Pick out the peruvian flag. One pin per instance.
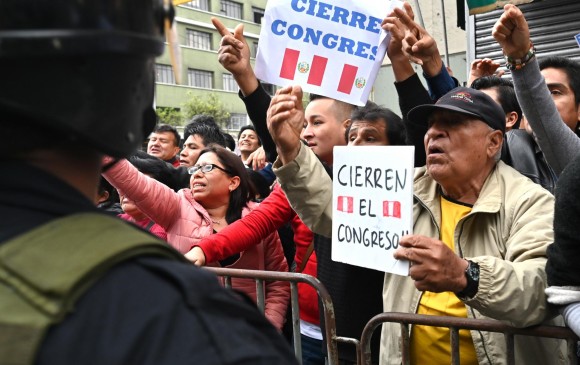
(345, 204)
(391, 209)
(316, 70)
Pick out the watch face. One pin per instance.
(473, 272)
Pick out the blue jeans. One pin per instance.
(311, 351)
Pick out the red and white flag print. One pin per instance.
(316, 70)
(391, 209)
(346, 204)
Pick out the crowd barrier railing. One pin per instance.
(455, 324)
(405, 319)
(294, 278)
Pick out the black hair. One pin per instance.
(156, 168)
(371, 112)
(342, 109)
(206, 127)
(245, 128)
(240, 197)
(230, 141)
(260, 184)
(104, 185)
(505, 93)
(161, 128)
(569, 66)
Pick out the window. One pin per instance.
(231, 9)
(197, 39)
(164, 74)
(254, 50)
(270, 89)
(237, 120)
(229, 83)
(258, 15)
(198, 4)
(200, 78)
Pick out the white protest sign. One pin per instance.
(332, 48)
(372, 205)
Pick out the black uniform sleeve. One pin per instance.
(153, 311)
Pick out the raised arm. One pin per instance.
(409, 88)
(558, 142)
(146, 192)
(244, 233)
(234, 56)
(302, 176)
(421, 48)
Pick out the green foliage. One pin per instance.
(210, 104)
(171, 116)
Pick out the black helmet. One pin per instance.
(83, 68)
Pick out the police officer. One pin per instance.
(78, 287)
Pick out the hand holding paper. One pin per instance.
(434, 267)
(286, 121)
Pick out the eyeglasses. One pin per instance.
(206, 168)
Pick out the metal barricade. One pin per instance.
(294, 278)
(455, 324)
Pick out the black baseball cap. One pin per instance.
(466, 101)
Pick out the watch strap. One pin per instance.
(472, 276)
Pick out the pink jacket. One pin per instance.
(147, 224)
(186, 222)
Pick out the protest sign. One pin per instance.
(372, 205)
(332, 48)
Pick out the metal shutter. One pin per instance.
(553, 24)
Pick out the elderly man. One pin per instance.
(480, 230)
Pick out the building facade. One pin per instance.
(198, 43)
(201, 72)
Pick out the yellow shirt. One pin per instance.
(431, 345)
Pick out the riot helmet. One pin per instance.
(84, 69)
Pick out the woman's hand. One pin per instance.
(196, 256)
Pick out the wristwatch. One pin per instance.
(472, 276)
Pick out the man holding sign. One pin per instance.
(480, 229)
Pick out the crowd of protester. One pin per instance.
(493, 154)
(489, 238)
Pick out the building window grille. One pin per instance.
(258, 14)
(164, 74)
(229, 83)
(270, 89)
(198, 4)
(197, 39)
(231, 9)
(237, 120)
(254, 50)
(200, 78)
